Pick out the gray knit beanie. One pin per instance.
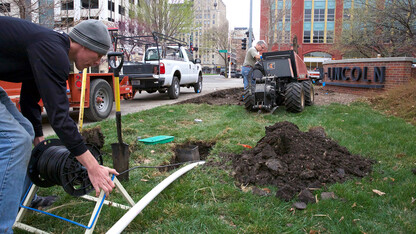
(92, 34)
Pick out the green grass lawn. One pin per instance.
(207, 199)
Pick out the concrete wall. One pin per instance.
(367, 76)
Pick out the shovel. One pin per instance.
(121, 153)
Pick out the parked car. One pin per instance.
(238, 74)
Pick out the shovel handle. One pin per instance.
(118, 123)
(115, 61)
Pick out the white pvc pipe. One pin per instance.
(140, 205)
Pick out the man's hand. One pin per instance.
(99, 175)
(37, 140)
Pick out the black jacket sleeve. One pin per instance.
(29, 99)
(50, 67)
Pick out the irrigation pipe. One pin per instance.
(122, 223)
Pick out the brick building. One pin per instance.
(310, 26)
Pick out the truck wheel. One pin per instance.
(294, 97)
(198, 85)
(249, 98)
(101, 100)
(309, 93)
(174, 89)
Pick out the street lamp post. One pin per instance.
(250, 28)
(229, 62)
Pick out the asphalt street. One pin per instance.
(145, 101)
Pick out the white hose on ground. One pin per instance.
(122, 223)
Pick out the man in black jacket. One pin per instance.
(40, 59)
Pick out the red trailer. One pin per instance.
(99, 93)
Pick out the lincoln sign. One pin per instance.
(364, 76)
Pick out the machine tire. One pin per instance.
(249, 99)
(198, 85)
(309, 93)
(99, 89)
(294, 97)
(174, 89)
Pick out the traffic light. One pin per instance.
(229, 58)
(243, 43)
(248, 34)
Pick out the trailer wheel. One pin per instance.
(174, 89)
(309, 93)
(198, 85)
(249, 99)
(101, 100)
(294, 97)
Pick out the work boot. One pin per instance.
(40, 202)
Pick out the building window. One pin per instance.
(286, 37)
(319, 15)
(121, 10)
(213, 22)
(68, 5)
(66, 22)
(89, 17)
(287, 16)
(90, 4)
(331, 15)
(308, 15)
(329, 36)
(307, 36)
(4, 7)
(318, 36)
(111, 6)
(347, 14)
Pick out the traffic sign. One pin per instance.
(222, 51)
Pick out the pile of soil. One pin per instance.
(231, 96)
(234, 96)
(294, 161)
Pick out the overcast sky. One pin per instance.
(238, 14)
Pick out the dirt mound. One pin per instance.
(294, 160)
(222, 97)
(400, 102)
(93, 136)
(233, 96)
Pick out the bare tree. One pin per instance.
(276, 34)
(216, 38)
(40, 11)
(130, 28)
(169, 17)
(376, 27)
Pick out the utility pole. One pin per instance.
(250, 29)
(231, 57)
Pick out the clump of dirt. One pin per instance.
(294, 161)
(93, 136)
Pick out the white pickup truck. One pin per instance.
(165, 68)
